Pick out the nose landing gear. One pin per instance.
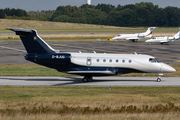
(159, 77)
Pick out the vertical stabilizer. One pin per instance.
(150, 30)
(177, 36)
(148, 33)
(32, 42)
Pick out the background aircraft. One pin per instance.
(135, 37)
(87, 64)
(163, 40)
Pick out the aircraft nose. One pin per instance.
(167, 69)
(114, 38)
(148, 41)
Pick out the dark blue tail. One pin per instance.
(32, 42)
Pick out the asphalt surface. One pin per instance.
(165, 53)
(98, 81)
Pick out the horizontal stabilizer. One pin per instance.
(21, 32)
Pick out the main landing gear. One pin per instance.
(87, 79)
(159, 77)
(134, 40)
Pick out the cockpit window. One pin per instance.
(154, 60)
(157, 60)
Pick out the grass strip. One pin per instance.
(89, 101)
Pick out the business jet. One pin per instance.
(87, 64)
(136, 36)
(163, 40)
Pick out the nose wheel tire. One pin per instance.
(158, 79)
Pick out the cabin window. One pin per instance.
(123, 61)
(104, 60)
(130, 61)
(117, 61)
(110, 60)
(97, 60)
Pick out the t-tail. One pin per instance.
(148, 33)
(40, 52)
(32, 42)
(149, 30)
(177, 36)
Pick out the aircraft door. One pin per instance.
(161, 68)
(89, 61)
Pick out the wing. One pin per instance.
(165, 41)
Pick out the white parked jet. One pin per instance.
(164, 39)
(136, 36)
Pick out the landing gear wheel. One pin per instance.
(134, 40)
(87, 79)
(90, 79)
(158, 79)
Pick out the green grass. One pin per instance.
(15, 94)
(93, 96)
(28, 70)
(47, 102)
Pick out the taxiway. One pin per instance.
(98, 81)
(165, 53)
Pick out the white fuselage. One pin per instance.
(136, 36)
(164, 39)
(161, 40)
(130, 37)
(130, 61)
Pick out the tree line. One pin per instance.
(139, 14)
(12, 12)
